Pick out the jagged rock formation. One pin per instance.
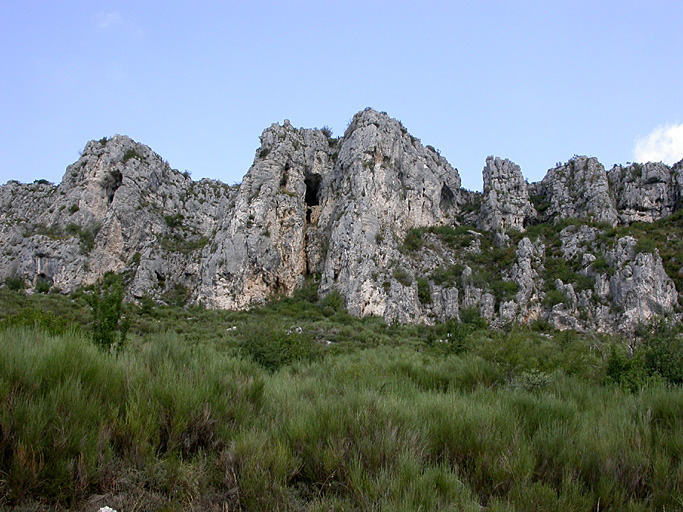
(373, 214)
(578, 189)
(646, 192)
(506, 202)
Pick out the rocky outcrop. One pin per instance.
(578, 189)
(270, 240)
(505, 204)
(640, 286)
(120, 207)
(645, 192)
(385, 183)
(374, 215)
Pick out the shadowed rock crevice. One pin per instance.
(312, 197)
(112, 182)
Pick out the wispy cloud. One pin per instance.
(112, 20)
(663, 144)
(106, 20)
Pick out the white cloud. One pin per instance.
(664, 144)
(114, 21)
(107, 20)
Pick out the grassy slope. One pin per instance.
(194, 414)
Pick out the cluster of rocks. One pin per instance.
(339, 210)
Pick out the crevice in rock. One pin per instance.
(112, 182)
(447, 198)
(285, 176)
(312, 198)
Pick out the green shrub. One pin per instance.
(663, 353)
(472, 318)
(174, 221)
(601, 266)
(332, 303)
(504, 290)
(130, 154)
(43, 285)
(273, 347)
(423, 292)
(403, 277)
(33, 318)
(447, 276)
(413, 240)
(15, 282)
(109, 326)
(646, 245)
(625, 369)
(554, 297)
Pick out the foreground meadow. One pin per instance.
(298, 406)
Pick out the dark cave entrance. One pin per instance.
(447, 198)
(312, 182)
(112, 182)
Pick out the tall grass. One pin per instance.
(298, 406)
(172, 426)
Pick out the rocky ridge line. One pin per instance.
(374, 215)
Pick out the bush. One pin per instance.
(174, 221)
(645, 245)
(130, 154)
(109, 327)
(33, 318)
(504, 290)
(273, 348)
(327, 131)
(663, 353)
(554, 297)
(423, 292)
(472, 318)
(15, 283)
(403, 277)
(43, 285)
(413, 240)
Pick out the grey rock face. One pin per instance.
(525, 272)
(578, 189)
(640, 285)
(340, 210)
(271, 239)
(119, 207)
(506, 202)
(644, 192)
(385, 182)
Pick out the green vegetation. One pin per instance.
(423, 293)
(299, 406)
(132, 153)
(86, 236)
(109, 328)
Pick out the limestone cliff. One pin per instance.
(374, 215)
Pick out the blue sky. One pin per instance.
(535, 82)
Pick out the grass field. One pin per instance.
(298, 406)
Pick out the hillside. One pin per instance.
(375, 215)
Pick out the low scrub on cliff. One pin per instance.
(298, 406)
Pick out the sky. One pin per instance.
(535, 82)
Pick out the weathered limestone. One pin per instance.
(578, 189)
(339, 210)
(506, 202)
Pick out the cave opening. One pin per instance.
(312, 198)
(111, 184)
(447, 198)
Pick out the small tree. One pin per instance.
(109, 328)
